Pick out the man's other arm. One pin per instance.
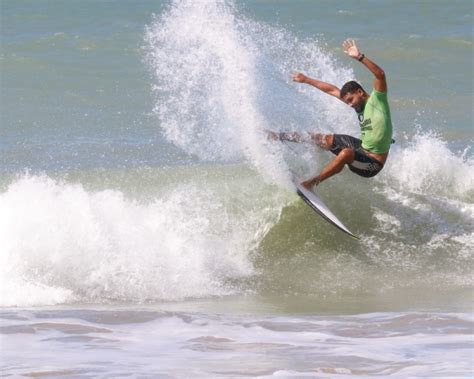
(322, 86)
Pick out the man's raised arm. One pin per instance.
(322, 86)
(351, 49)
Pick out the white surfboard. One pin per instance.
(319, 207)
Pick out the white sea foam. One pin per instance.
(378, 345)
(61, 243)
(431, 190)
(426, 165)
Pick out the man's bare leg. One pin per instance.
(324, 141)
(346, 156)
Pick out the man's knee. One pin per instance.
(347, 155)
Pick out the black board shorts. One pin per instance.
(363, 165)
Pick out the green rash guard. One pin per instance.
(376, 124)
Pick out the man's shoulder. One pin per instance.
(377, 97)
(378, 94)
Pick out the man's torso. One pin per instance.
(376, 126)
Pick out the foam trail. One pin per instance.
(222, 79)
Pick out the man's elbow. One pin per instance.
(380, 75)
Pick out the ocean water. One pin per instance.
(149, 229)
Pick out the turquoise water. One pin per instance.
(136, 185)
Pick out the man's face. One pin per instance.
(355, 100)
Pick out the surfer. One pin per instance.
(366, 156)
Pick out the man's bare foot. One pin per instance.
(272, 136)
(309, 184)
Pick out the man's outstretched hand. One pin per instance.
(299, 77)
(351, 49)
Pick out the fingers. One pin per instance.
(348, 43)
(298, 77)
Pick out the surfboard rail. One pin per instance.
(316, 204)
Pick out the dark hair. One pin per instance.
(350, 87)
